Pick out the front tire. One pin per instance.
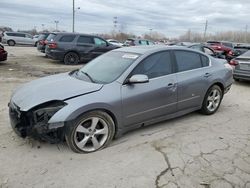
(71, 58)
(212, 100)
(90, 132)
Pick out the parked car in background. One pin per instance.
(115, 42)
(3, 53)
(242, 48)
(72, 48)
(241, 66)
(13, 38)
(226, 47)
(35, 38)
(121, 90)
(221, 46)
(184, 43)
(41, 42)
(137, 42)
(207, 50)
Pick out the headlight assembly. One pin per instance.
(44, 112)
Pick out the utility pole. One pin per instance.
(246, 33)
(73, 25)
(74, 11)
(205, 30)
(150, 32)
(56, 22)
(115, 22)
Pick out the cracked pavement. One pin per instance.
(193, 151)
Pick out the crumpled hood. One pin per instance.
(56, 87)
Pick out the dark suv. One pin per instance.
(72, 48)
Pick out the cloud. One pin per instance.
(96, 16)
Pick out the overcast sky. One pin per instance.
(171, 17)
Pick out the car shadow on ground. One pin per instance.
(133, 135)
(242, 83)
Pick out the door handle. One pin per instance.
(170, 85)
(207, 75)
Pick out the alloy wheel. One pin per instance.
(213, 100)
(71, 58)
(91, 134)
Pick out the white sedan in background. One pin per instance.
(115, 42)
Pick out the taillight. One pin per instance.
(52, 45)
(230, 52)
(233, 62)
(45, 42)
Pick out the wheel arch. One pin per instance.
(74, 51)
(109, 112)
(68, 116)
(11, 40)
(220, 84)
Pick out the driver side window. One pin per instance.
(156, 65)
(99, 42)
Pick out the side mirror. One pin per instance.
(138, 79)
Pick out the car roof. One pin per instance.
(15, 32)
(214, 41)
(70, 33)
(150, 49)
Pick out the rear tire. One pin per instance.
(212, 100)
(90, 132)
(71, 58)
(11, 43)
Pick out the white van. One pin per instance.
(13, 38)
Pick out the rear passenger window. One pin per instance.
(187, 60)
(67, 38)
(85, 39)
(20, 35)
(205, 61)
(28, 36)
(156, 65)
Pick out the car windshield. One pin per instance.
(108, 67)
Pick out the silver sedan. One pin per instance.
(121, 90)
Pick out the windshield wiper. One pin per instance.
(91, 79)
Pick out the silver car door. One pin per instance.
(28, 39)
(158, 97)
(193, 77)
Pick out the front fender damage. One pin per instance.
(35, 122)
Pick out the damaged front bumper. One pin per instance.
(34, 123)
